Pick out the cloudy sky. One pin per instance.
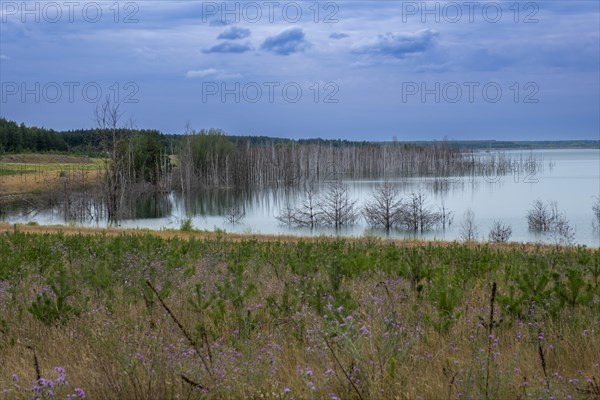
(348, 69)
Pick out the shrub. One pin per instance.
(186, 225)
(468, 229)
(500, 233)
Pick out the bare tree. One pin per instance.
(270, 162)
(562, 232)
(445, 216)
(234, 214)
(337, 208)
(500, 233)
(417, 215)
(107, 116)
(185, 162)
(546, 217)
(542, 217)
(468, 229)
(385, 210)
(287, 216)
(307, 214)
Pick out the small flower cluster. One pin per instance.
(45, 388)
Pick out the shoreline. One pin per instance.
(240, 237)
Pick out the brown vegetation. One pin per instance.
(44, 159)
(44, 181)
(139, 317)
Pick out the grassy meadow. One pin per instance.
(140, 316)
(27, 173)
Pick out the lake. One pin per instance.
(571, 178)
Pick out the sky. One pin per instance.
(356, 70)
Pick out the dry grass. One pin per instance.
(271, 319)
(37, 173)
(200, 235)
(37, 158)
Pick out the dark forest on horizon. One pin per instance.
(15, 138)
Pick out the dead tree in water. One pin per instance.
(338, 209)
(468, 229)
(234, 214)
(287, 216)
(386, 208)
(545, 217)
(185, 162)
(107, 116)
(500, 233)
(309, 211)
(308, 214)
(445, 216)
(222, 161)
(541, 217)
(418, 215)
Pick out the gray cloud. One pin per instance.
(398, 45)
(235, 33)
(338, 35)
(287, 42)
(229, 47)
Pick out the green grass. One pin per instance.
(139, 316)
(20, 168)
(13, 169)
(16, 164)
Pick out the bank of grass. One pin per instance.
(33, 173)
(135, 315)
(22, 163)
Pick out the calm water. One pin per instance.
(569, 177)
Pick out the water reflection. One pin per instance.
(572, 179)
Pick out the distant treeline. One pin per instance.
(519, 144)
(15, 138)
